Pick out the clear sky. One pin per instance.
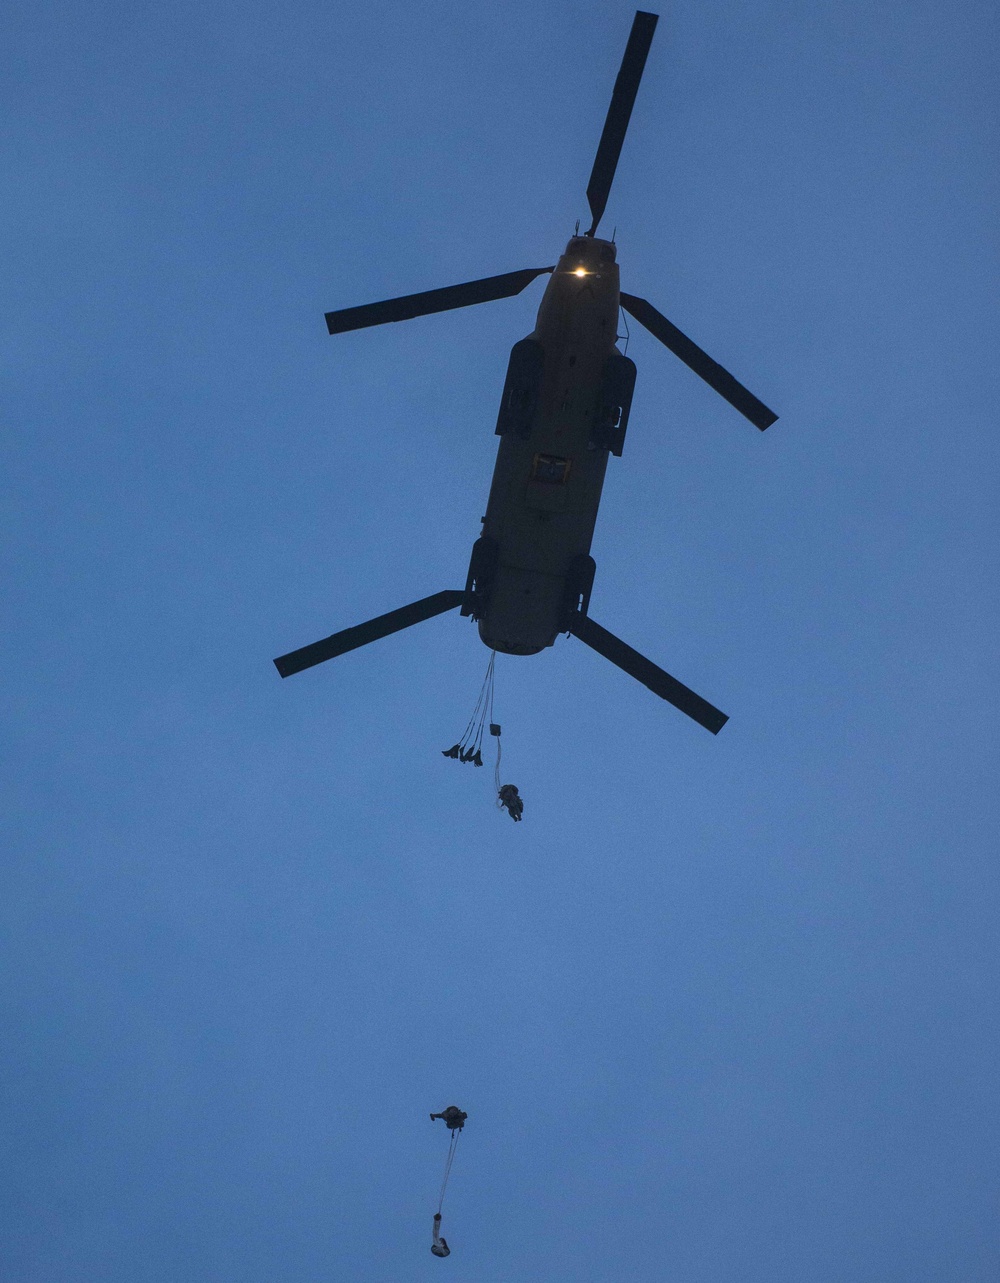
(721, 1010)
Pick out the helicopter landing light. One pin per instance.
(581, 271)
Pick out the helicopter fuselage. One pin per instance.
(564, 409)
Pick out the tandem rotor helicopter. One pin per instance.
(564, 409)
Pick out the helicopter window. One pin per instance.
(549, 469)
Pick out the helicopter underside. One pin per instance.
(524, 612)
(550, 466)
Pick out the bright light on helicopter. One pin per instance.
(581, 271)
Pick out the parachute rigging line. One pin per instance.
(468, 748)
(453, 1145)
(496, 766)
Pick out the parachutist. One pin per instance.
(453, 1117)
(511, 799)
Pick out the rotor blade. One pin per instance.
(645, 671)
(443, 300)
(702, 364)
(619, 112)
(361, 634)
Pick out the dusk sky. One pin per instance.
(721, 1009)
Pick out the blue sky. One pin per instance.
(720, 1008)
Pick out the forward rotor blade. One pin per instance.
(702, 364)
(645, 671)
(443, 300)
(361, 634)
(619, 113)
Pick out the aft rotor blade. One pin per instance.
(443, 300)
(619, 113)
(361, 634)
(645, 671)
(702, 364)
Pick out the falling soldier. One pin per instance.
(511, 799)
(453, 1117)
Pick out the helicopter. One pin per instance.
(563, 410)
